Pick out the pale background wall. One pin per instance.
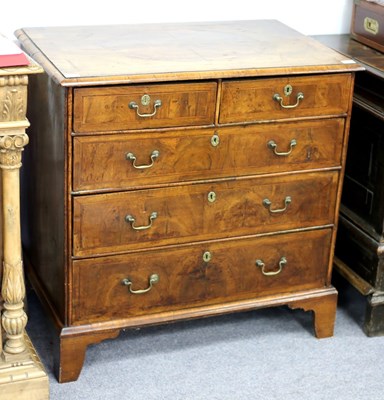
(306, 16)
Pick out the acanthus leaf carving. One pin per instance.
(13, 106)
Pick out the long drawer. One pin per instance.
(143, 106)
(132, 220)
(208, 273)
(123, 161)
(287, 97)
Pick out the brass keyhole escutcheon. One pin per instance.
(371, 25)
(288, 90)
(145, 100)
(215, 140)
(211, 197)
(207, 256)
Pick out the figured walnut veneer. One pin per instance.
(182, 171)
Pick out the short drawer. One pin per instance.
(267, 99)
(150, 282)
(102, 109)
(126, 221)
(115, 162)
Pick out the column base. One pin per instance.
(23, 376)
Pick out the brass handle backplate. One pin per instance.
(131, 157)
(283, 261)
(273, 146)
(279, 99)
(131, 220)
(133, 105)
(267, 203)
(154, 278)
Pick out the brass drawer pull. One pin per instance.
(133, 105)
(279, 99)
(154, 278)
(282, 263)
(131, 157)
(130, 219)
(267, 203)
(273, 146)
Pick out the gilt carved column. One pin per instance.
(22, 375)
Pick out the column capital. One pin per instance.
(11, 146)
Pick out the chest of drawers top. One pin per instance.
(113, 54)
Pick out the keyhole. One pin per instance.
(288, 90)
(215, 140)
(211, 197)
(207, 256)
(145, 100)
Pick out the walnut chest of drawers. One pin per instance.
(180, 171)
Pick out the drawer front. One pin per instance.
(127, 221)
(198, 275)
(104, 109)
(367, 24)
(281, 98)
(116, 162)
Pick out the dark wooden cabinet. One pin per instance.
(360, 242)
